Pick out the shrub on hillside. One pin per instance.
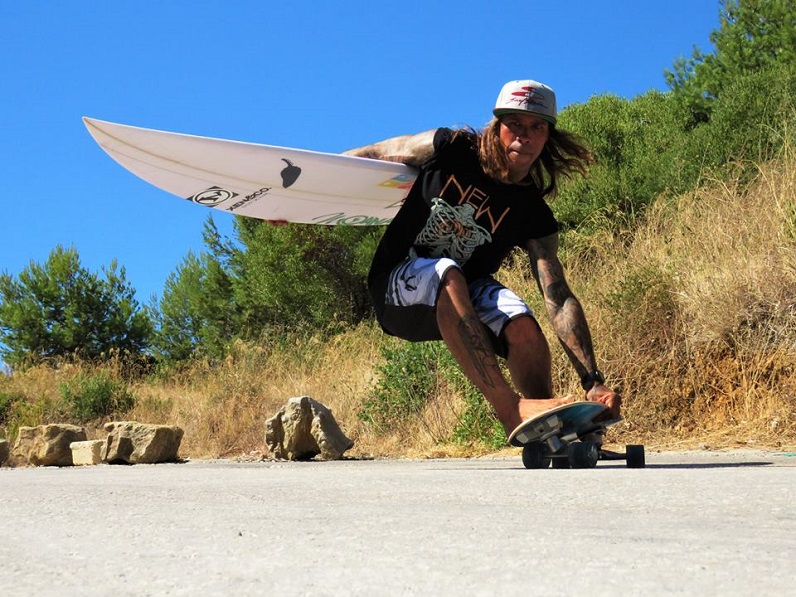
(636, 145)
(406, 380)
(412, 373)
(95, 396)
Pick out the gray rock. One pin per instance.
(47, 445)
(303, 429)
(87, 453)
(130, 442)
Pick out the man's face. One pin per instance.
(523, 137)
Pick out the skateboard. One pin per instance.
(570, 436)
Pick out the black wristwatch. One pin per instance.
(587, 381)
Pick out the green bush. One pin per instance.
(648, 285)
(406, 381)
(646, 146)
(637, 146)
(477, 423)
(7, 401)
(23, 410)
(298, 274)
(751, 123)
(94, 396)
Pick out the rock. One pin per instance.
(304, 428)
(141, 443)
(87, 453)
(47, 445)
(4, 451)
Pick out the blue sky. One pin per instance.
(311, 74)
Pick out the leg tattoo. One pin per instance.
(477, 345)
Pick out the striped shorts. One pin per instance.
(411, 297)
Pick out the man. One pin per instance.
(477, 197)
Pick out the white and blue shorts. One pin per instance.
(409, 309)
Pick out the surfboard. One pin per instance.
(259, 181)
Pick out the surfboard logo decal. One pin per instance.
(212, 196)
(290, 173)
(344, 219)
(255, 196)
(402, 181)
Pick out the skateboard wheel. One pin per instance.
(561, 462)
(635, 456)
(583, 455)
(533, 456)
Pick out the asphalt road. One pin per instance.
(690, 523)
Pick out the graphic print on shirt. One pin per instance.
(451, 231)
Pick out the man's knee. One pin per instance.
(453, 287)
(523, 330)
(453, 276)
(524, 333)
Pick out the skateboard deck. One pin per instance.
(570, 435)
(576, 417)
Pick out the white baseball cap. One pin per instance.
(526, 96)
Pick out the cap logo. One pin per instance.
(528, 96)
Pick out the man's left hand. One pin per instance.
(603, 395)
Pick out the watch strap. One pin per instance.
(588, 381)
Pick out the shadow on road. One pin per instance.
(705, 465)
(653, 465)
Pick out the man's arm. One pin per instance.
(566, 315)
(412, 150)
(563, 308)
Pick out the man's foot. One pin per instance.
(528, 409)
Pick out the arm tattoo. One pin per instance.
(563, 308)
(407, 149)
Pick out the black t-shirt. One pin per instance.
(455, 210)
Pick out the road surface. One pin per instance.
(693, 523)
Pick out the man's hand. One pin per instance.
(603, 395)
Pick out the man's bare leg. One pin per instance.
(529, 358)
(530, 366)
(467, 340)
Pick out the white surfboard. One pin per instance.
(260, 181)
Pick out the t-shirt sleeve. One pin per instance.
(543, 222)
(442, 140)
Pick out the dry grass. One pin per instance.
(692, 315)
(223, 408)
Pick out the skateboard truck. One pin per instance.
(569, 436)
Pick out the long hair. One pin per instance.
(564, 154)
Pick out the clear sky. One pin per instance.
(311, 74)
